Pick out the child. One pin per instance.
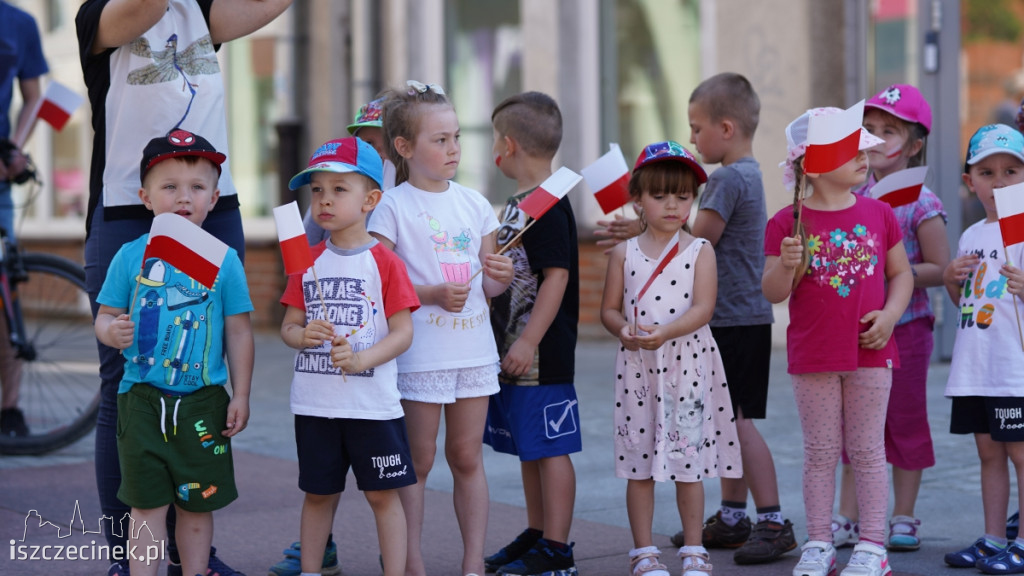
(156, 398)
(986, 376)
(445, 233)
(724, 112)
(536, 415)
(834, 270)
(340, 404)
(901, 117)
(368, 127)
(673, 419)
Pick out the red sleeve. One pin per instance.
(396, 287)
(293, 295)
(779, 227)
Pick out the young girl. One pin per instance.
(834, 270)
(673, 418)
(901, 117)
(444, 232)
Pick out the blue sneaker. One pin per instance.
(1013, 526)
(541, 560)
(1009, 561)
(513, 550)
(291, 565)
(215, 567)
(969, 556)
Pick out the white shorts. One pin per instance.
(447, 386)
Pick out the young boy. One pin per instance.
(724, 112)
(535, 415)
(345, 390)
(174, 374)
(986, 375)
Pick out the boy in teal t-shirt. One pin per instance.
(175, 420)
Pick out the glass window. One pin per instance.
(484, 56)
(658, 67)
(893, 50)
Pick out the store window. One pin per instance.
(484, 57)
(658, 66)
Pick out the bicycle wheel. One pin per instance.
(60, 375)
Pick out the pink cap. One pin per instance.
(904, 102)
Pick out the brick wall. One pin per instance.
(265, 275)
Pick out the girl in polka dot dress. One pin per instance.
(673, 418)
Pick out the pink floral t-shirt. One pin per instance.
(845, 281)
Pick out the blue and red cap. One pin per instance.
(340, 156)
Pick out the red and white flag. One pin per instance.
(900, 188)
(187, 247)
(59, 103)
(294, 246)
(549, 192)
(833, 139)
(1010, 209)
(608, 179)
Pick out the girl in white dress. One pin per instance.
(673, 418)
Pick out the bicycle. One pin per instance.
(49, 328)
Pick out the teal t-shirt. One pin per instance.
(179, 323)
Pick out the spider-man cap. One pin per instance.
(178, 143)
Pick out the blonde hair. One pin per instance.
(799, 227)
(402, 111)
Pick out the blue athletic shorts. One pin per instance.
(377, 451)
(534, 422)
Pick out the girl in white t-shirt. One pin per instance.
(445, 233)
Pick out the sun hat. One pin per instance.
(796, 141)
(994, 139)
(178, 143)
(904, 102)
(340, 156)
(370, 114)
(670, 151)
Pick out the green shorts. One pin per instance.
(186, 460)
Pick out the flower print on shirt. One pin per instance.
(845, 259)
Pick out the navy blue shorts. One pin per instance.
(377, 451)
(534, 422)
(1000, 417)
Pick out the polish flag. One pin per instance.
(294, 246)
(1010, 208)
(833, 139)
(900, 188)
(59, 103)
(187, 247)
(549, 192)
(608, 178)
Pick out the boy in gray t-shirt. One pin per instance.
(724, 111)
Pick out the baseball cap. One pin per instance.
(669, 150)
(177, 143)
(904, 102)
(994, 139)
(340, 156)
(370, 114)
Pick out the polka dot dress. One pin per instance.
(673, 418)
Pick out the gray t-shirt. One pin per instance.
(736, 193)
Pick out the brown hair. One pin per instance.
(402, 110)
(666, 176)
(730, 96)
(801, 229)
(533, 120)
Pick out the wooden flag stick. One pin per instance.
(1013, 301)
(501, 250)
(135, 294)
(323, 306)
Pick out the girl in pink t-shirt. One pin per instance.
(834, 265)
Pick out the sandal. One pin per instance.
(699, 563)
(644, 562)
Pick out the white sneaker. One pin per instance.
(868, 560)
(818, 559)
(844, 531)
